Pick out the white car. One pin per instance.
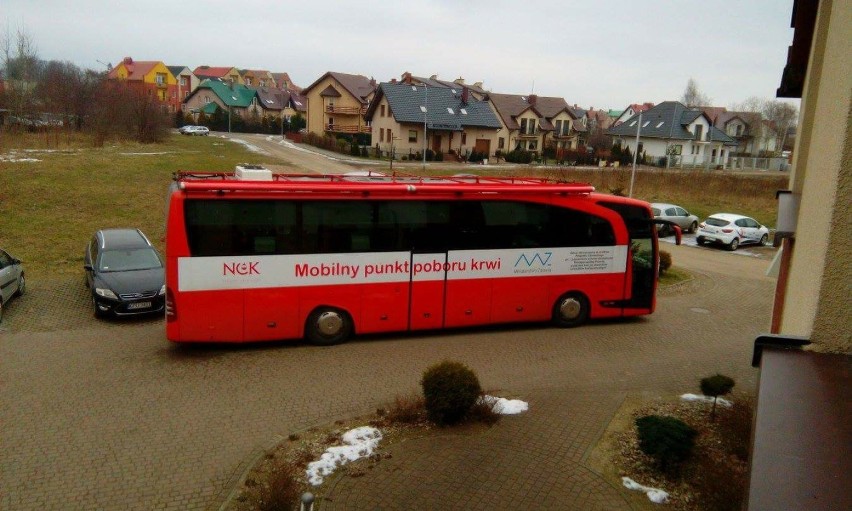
(731, 230)
(195, 130)
(686, 221)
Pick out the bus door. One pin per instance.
(428, 290)
(643, 257)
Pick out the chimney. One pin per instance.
(459, 81)
(406, 78)
(464, 96)
(127, 60)
(478, 85)
(575, 105)
(531, 99)
(433, 77)
(393, 80)
(372, 82)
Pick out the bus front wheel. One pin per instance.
(571, 310)
(327, 326)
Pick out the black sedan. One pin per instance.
(125, 273)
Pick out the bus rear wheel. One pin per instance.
(327, 326)
(570, 310)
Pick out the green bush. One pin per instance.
(665, 261)
(450, 390)
(666, 439)
(715, 386)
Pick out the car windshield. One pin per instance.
(129, 260)
(718, 222)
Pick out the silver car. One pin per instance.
(676, 214)
(12, 282)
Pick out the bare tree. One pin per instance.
(767, 116)
(21, 68)
(692, 95)
(781, 116)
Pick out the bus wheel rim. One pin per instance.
(570, 308)
(330, 323)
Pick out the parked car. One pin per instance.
(731, 230)
(195, 130)
(12, 282)
(125, 273)
(686, 221)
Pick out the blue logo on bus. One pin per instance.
(542, 258)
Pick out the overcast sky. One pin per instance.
(600, 53)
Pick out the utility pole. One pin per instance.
(635, 154)
(425, 109)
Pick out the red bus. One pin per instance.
(324, 257)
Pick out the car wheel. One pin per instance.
(734, 244)
(764, 239)
(699, 240)
(570, 310)
(693, 227)
(22, 286)
(327, 326)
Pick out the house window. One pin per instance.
(382, 108)
(161, 79)
(412, 135)
(523, 126)
(533, 145)
(183, 81)
(699, 130)
(739, 129)
(206, 99)
(248, 80)
(185, 94)
(382, 135)
(558, 128)
(464, 138)
(501, 142)
(390, 137)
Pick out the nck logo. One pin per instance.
(240, 269)
(542, 258)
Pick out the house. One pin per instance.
(532, 122)
(217, 95)
(283, 82)
(631, 110)
(275, 103)
(186, 82)
(151, 76)
(474, 89)
(337, 102)
(671, 129)
(257, 78)
(801, 434)
(409, 118)
(755, 136)
(218, 73)
(598, 120)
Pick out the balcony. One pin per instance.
(347, 128)
(346, 110)
(532, 134)
(561, 136)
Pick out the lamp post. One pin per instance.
(425, 109)
(635, 153)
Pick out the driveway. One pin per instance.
(110, 415)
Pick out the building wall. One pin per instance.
(317, 117)
(816, 303)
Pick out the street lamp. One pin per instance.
(425, 109)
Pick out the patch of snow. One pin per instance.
(505, 406)
(655, 495)
(289, 145)
(358, 443)
(707, 399)
(146, 154)
(12, 159)
(251, 147)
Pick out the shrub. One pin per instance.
(716, 386)
(282, 491)
(450, 390)
(666, 439)
(406, 410)
(665, 261)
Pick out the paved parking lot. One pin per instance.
(110, 415)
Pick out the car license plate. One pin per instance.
(139, 305)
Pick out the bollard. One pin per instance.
(307, 501)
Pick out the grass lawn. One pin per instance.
(49, 209)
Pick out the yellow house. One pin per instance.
(151, 75)
(337, 103)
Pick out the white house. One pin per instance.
(671, 129)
